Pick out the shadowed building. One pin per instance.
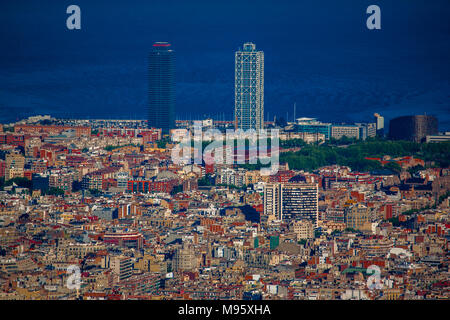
(161, 87)
(413, 128)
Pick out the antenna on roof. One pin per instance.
(295, 107)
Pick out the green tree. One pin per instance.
(393, 166)
(55, 191)
(19, 181)
(95, 192)
(177, 189)
(205, 180)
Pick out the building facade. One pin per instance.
(161, 87)
(185, 259)
(379, 122)
(292, 201)
(413, 128)
(349, 131)
(249, 88)
(304, 229)
(313, 126)
(122, 267)
(357, 216)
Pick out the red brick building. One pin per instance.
(143, 186)
(53, 129)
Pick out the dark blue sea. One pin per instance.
(318, 54)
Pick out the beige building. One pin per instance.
(304, 229)
(15, 160)
(79, 250)
(357, 216)
(337, 132)
(185, 259)
(14, 165)
(12, 173)
(122, 267)
(253, 177)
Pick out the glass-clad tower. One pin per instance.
(161, 87)
(249, 88)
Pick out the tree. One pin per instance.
(20, 182)
(205, 180)
(176, 189)
(162, 143)
(416, 169)
(95, 192)
(393, 166)
(55, 191)
(76, 186)
(395, 221)
(335, 232)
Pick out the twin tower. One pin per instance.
(248, 88)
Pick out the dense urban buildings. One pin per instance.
(249, 88)
(107, 199)
(161, 87)
(413, 128)
(139, 226)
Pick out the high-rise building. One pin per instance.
(413, 128)
(379, 122)
(161, 87)
(292, 201)
(122, 267)
(272, 199)
(249, 88)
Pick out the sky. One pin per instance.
(318, 54)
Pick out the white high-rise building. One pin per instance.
(292, 201)
(249, 88)
(379, 120)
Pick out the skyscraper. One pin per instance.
(249, 88)
(161, 87)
